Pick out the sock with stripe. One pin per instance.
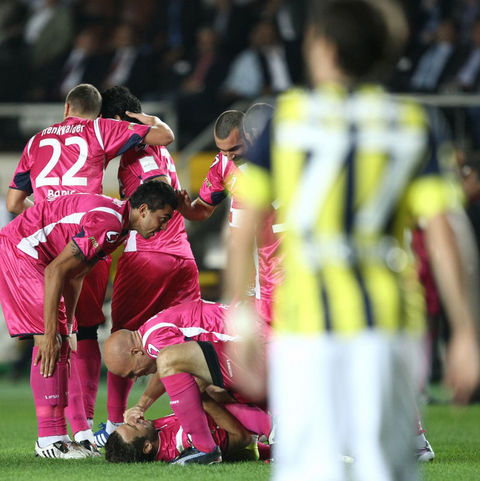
(187, 405)
(50, 398)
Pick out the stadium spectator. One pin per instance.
(261, 69)
(165, 261)
(435, 63)
(47, 35)
(45, 254)
(67, 158)
(346, 200)
(126, 63)
(83, 64)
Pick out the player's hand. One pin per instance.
(463, 364)
(132, 415)
(48, 353)
(184, 200)
(144, 118)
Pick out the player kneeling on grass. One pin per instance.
(180, 344)
(164, 439)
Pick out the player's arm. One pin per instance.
(238, 436)
(17, 201)
(159, 134)
(153, 391)
(70, 263)
(197, 210)
(444, 247)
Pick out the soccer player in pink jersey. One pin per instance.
(177, 344)
(44, 255)
(71, 157)
(164, 439)
(268, 258)
(221, 176)
(165, 261)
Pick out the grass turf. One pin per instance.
(453, 432)
(18, 433)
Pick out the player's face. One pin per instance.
(232, 146)
(141, 428)
(140, 365)
(151, 222)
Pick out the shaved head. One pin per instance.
(124, 355)
(117, 351)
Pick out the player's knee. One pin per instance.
(167, 362)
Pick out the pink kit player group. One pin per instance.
(55, 262)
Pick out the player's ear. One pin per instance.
(147, 447)
(134, 350)
(143, 208)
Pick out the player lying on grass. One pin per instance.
(164, 439)
(177, 344)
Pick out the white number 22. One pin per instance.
(68, 177)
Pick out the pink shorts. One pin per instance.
(89, 310)
(148, 282)
(21, 292)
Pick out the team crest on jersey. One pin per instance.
(208, 183)
(93, 241)
(112, 236)
(152, 350)
(131, 126)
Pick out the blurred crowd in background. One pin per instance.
(202, 55)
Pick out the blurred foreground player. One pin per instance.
(45, 254)
(352, 169)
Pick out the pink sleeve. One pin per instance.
(100, 234)
(119, 136)
(21, 178)
(213, 189)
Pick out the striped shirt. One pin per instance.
(351, 171)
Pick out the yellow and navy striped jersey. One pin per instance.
(351, 171)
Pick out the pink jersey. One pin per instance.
(268, 263)
(137, 166)
(173, 440)
(96, 223)
(71, 157)
(197, 320)
(220, 181)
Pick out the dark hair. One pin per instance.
(256, 117)
(118, 451)
(228, 121)
(155, 194)
(118, 99)
(85, 99)
(360, 32)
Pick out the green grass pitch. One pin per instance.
(453, 432)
